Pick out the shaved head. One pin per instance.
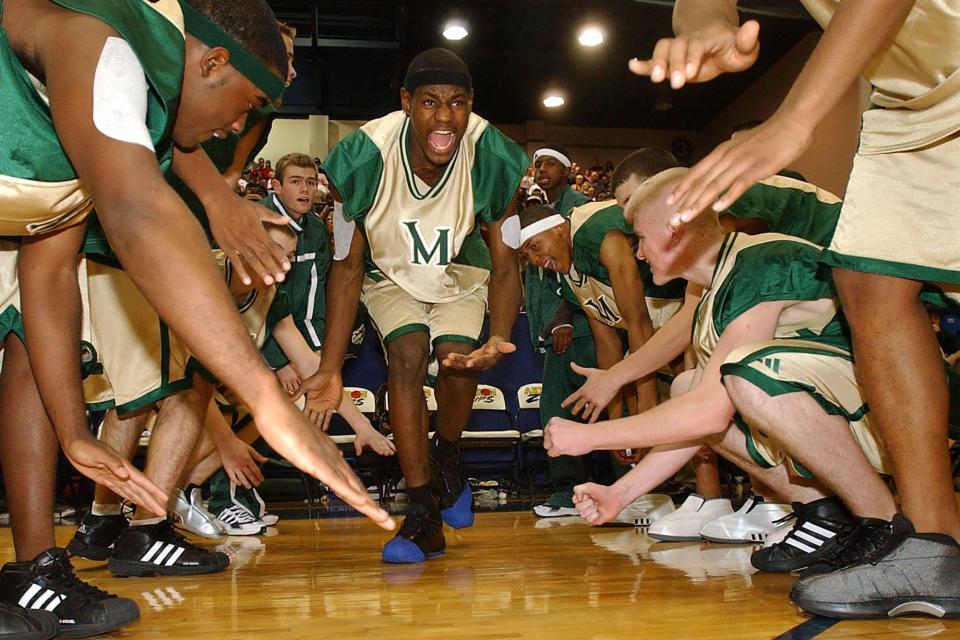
(668, 250)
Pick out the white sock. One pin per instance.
(105, 509)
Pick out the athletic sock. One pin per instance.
(444, 449)
(423, 496)
(99, 509)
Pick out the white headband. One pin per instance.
(553, 153)
(515, 237)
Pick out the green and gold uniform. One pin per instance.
(899, 212)
(588, 283)
(427, 264)
(810, 351)
(791, 207)
(39, 188)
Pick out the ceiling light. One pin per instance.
(590, 36)
(455, 30)
(553, 100)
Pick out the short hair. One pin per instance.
(645, 162)
(252, 25)
(535, 213)
(437, 62)
(301, 160)
(287, 30)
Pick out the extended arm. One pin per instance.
(504, 296)
(617, 256)
(858, 31)
(704, 411)
(166, 254)
(665, 345)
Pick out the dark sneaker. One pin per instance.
(49, 584)
(453, 491)
(420, 537)
(158, 549)
(816, 534)
(17, 623)
(920, 575)
(871, 539)
(96, 535)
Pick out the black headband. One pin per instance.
(437, 76)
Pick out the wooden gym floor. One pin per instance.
(510, 576)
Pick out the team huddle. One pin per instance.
(790, 322)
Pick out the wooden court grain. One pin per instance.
(509, 576)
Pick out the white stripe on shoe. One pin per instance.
(28, 595)
(148, 556)
(175, 556)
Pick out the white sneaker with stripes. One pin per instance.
(237, 520)
(752, 522)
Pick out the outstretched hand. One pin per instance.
(702, 56)
(594, 395)
(237, 227)
(324, 393)
(106, 467)
(483, 357)
(733, 167)
(291, 435)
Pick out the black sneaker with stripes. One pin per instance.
(96, 535)
(153, 549)
(816, 534)
(48, 584)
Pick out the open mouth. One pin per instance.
(543, 180)
(442, 142)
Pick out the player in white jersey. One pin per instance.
(414, 188)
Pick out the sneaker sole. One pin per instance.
(885, 608)
(137, 569)
(560, 513)
(759, 540)
(665, 538)
(87, 630)
(88, 551)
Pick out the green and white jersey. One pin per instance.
(426, 239)
(306, 283)
(588, 283)
(791, 207)
(39, 189)
(543, 288)
(768, 267)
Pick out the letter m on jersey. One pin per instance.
(436, 253)
(603, 311)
